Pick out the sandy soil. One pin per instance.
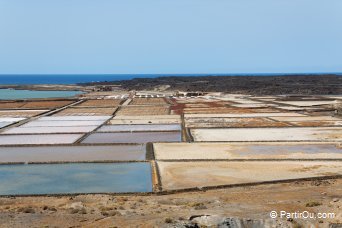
(143, 110)
(193, 151)
(269, 134)
(165, 210)
(228, 115)
(100, 103)
(317, 123)
(179, 175)
(292, 108)
(252, 105)
(21, 113)
(9, 105)
(45, 104)
(233, 122)
(306, 118)
(33, 104)
(220, 122)
(148, 101)
(306, 103)
(86, 112)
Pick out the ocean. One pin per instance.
(6, 79)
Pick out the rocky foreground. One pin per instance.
(231, 207)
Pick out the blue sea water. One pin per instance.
(64, 78)
(7, 79)
(21, 79)
(73, 78)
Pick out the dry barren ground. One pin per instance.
(175, 210)
(95, 111)
(143, 110)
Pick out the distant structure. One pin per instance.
(99, 88)
(190, 94)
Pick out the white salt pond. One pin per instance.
(76, 118)
(5, 121)
(270, 150)
(140, 127)
(39, 139)
(134, 137)
(41, 130)
(268, 134)
(306, 103)
(178, 175)
(4, 124)
(61, 123)
(10, 119)
(244, 115)
(72, 153)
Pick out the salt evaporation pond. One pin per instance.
(12, 94)
(72, 153)
(4, 124)
(75, 178)
(74, 118)
(134, 137)
(140, 127)
(41, 130)
(67, 123)
(5, 121)
(39, 139)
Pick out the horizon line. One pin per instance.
(176, 74)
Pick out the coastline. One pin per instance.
(304, 84)
(43, 87)
(325, 84)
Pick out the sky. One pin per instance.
(170, 36)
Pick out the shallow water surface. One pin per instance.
(51, 129)
(264, 149)
(39, 139)
(4, 124)
(12, 94)
(133, 137)
(75, 178)
(72, 153)
(140, 127)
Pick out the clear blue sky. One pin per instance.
(170, 36)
